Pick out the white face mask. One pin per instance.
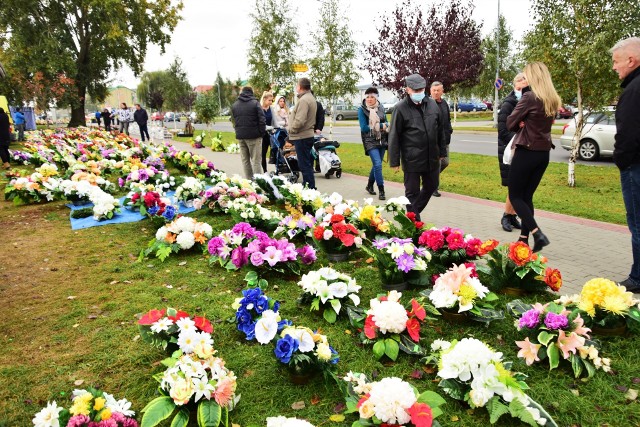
(518, 94)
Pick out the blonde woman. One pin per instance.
(269, 117)
(531, 119)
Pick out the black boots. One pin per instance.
(369, 188)
(539, 241)
(381, 191)
(509, 222)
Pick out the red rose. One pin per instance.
(419, 224)
(135, 197)
(203, 324)
(347, 239)
(151, 317)
(411, 216)
(553, 278)
(520, 253)
(318, 232)
(370, 327)
(337, 218)
(339, 230)
(151, 198)
(413, 328)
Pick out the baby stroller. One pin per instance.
(327, 158)
(284, 154)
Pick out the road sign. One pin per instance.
(299, 68)
(499, 83)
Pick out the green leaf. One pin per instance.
(496, 409)
(490, 297)
(163, 252)
(209, 413)
(263, 284)
(251, 276)
(143, 210)
(453, 388)
(576, 364)
(330, 316)
(591, 370)
(181, 419)
(518, 410)
(335, 304)
(554, 356)
(391, 348)
(431, 398)
(315, 304)
(634, 313)
(379, 349)
(157, 410)
(545, 337)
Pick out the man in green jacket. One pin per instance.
(301, 122)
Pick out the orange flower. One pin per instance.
(170, 238)
(528, 351)
(487, 247)
(553, 278)
(224, 392)
(199, 237)
(520, 253)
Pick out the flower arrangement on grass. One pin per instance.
(20, 157)
(244, 209)
(390, 401)
(514, 265)
(233, 148)
(390, 326)
(257, 316)
(154, 206)
(329, 289)
(297, 224)
(198, 140)
(244, 245)
(166, 329)
(304, 351)
(449, 246)
(369, 219)
(296, 195)
(287, 422)
(219, 197)
(334, 235)
(603, 303)
(145, 176)
(181, 234)
(459, 290)
(90, 408)
(189, 190)
(194, 380)
(399, 261)
(34, 188)
(555, 333)
(472, 372)
(105, 206)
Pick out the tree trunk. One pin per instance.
(575, 143)
(77, 114)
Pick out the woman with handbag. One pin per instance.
(373, 131)
(509, 219)
(532, 119)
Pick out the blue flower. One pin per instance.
(262, 304)
(169, 213)
(285, 347)
(335, 358)
(275, 305)
(251, 295)
(153, 210)
(243, 317)
(249, 330)
(284, 323)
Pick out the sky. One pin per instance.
(214, 34)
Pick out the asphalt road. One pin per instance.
(483, 143)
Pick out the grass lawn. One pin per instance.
(72, 299)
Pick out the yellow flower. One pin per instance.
(467, 294)
(81, 405)
(367, 213)
(105, 414)
(99, 403)
(615, 304)
(587, 306)
(384, 227)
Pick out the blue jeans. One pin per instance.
(630, 182)
(376, 155)
(305, 161)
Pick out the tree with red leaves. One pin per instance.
(442, 45)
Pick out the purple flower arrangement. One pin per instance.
(244, 245)
(399, 260)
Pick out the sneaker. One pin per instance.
(436, 193)
(631, 285)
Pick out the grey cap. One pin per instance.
(416, 82)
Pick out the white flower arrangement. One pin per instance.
(190, 189)
(248, 210)
(389, 316)
(457, 287)
(287, 422)
(233, 148)
(328, 286)
(181, 234)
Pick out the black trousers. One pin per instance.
(265, 148)
(525, 174)
(144, 130)
(419, 197)
(4, 152)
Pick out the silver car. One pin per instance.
(598, 136)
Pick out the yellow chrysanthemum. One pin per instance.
(81, 405)
(615, 304)
(367, 213)
(105, 414)
(467, 294)
(384, 227)
(588, 307)
(99, 403)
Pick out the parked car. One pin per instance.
(564, 113)
(157, 116)
(346, 112)
(598, 135)
(171, 117)
(389, 106)
(489, 105)
(470, 105)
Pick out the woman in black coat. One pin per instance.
(5, 138)
(106, 116)
(509, 218)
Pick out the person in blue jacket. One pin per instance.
(373, 131)
(98, 115)
(19, 121)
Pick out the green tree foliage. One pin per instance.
(333, 72)
(150, 91)
(573, 38)
(272, 46)
(177, 90)
(84, 39)
(207, 107)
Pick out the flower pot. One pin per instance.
(610, 331)
(301, 378)
(80, 202)
(454, 316)
(392, 280)
(517, 292)
(395, 286)
(337, 257)
(188, 203)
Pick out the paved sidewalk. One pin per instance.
(581, 249)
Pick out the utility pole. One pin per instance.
(495, 85)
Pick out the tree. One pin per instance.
(572, 38)
(207, 107)
(444, 45)
(177, 90)
(84, 40)
(150, 91)
(273, 45)
(333, 73)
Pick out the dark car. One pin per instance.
(564, 113)
(470, 105)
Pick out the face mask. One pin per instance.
(417, 97)
(518, 94)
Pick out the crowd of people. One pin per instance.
(123, 117)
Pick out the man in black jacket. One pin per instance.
(437, 90)
(141, 117)
(5, 139)
(626, 150)
(509, 219)
(249, 123)
(416, 138)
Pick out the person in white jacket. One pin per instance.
(125, 116)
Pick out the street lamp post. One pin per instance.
(495, 98)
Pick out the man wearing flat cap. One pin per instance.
(416, 140)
